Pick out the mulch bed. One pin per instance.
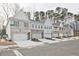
(6, 42)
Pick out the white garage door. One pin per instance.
(47, 35)
(36, 35)
(55, 35)
(20, 37)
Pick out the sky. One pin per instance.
(72, 7)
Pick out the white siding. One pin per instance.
(8, 31)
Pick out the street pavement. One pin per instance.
(7, 53)
(63, 48)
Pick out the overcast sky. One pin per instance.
(72, 7)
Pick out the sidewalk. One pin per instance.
(70, 38)
(8, 46)
(48, 41)
(58, 40)
(22, 44)
(28, 43)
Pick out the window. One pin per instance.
(35, 26)
(14, 23)
(41, 27)
(47, 27)
(25, 24)
(38, 26)
(50, 27)
(32, 26)
(44, 27)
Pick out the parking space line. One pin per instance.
(17, 52)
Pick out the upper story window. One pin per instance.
(32, 26)
(41, 26)
(44, 27)
(47, 27)
(25, 24)
(35, 26)
(14, 23)
(50, 27)
(38, 26)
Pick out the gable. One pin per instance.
(48, 22)
(21, 16)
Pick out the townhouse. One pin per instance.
(21, 27)
(68, 29)
(63, 28)
(18, 27)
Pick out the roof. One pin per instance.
(40, 22)
(16, 19)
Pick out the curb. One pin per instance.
(9, 46)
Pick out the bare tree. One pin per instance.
(15, 8)
(8, 10)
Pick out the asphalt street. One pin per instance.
(64, 48)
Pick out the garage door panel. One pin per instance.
(36, 35)
(19, 37)
(47, 35)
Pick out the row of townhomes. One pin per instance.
(49, 24)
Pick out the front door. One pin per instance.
(42, 34)
(28, 35)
